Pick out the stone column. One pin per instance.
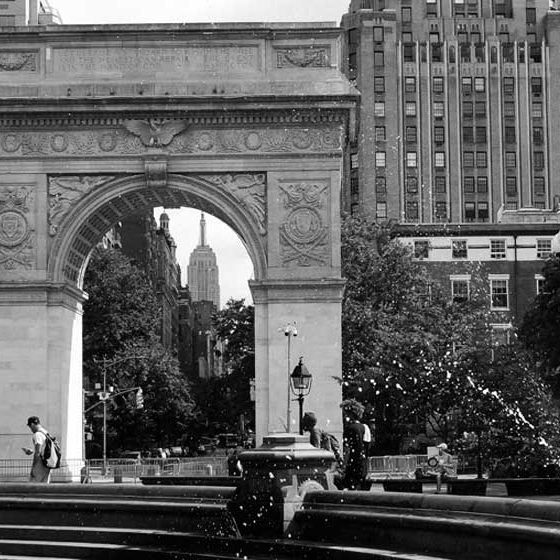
(41, 366)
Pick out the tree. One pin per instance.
(540, 328)
(414, 357)
(121, 324)
(223, 400)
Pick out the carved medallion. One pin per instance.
(13, 228)
(253, 141)
(205, 142)
(59, 142)
(303, 234)
(108, 141)
(11, 142)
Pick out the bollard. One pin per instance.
(118, 476)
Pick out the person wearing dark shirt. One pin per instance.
(355, 468)
(309, 424)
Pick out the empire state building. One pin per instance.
(203, 274)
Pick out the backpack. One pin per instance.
(330, 443)
(52, 453)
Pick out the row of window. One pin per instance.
(498, 249)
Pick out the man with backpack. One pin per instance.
(40, 472)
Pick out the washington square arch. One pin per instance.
(247, 122)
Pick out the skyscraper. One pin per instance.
(203, 274)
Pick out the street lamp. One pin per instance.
(290, 330)
(301, 381)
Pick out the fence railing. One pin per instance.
(387, 466)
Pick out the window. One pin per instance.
(438, 84)
(538, 160)
(468, 185)
(538, 137)
(411, 135)
(406, 15)
(466, 83)
(479, 50)
(378, 58)
(464, 50)
(497, 249)
(379, 133)
(411, 212)
(452, 55)
(494, 55)
(438, 110)
(421, 249)
(480, 109)
(431, 8)
(379, 84)
(539, 186)
(470, 211)
(381, 210)
(539, 284)
(410, 109)
(537, 110)
(379, 159)
(411, 184)
(411, 159)
(481, 160)
(468, 159)
(410, 84)
(441, 210)
(499, 293)
(439, 135)
(409, 52)
(480, 84)
(468, 136)
(482, 185)
(468, 109)
(509, 134)
(379, 109)
(531, 16)
(440, 184)
(459, 290)
(536, 86)
(459, 249)
(481, 135)
(501, 336)
(509, 86)
(509, 109)
(439, 160)
(511, 160)
(380, 185)
(511, 186)
(483, 211)
(354, 161)
(378, 34)
(544, 248)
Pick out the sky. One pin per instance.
(233, 261)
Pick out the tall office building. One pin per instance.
(458, 134)
(203, 273)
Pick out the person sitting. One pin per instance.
(309, 424)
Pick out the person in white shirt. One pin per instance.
(39, 472)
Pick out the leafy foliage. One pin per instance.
(121, 322)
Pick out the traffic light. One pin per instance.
(139, 398)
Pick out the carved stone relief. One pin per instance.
(249, 190)
(65, 191)
(303, 57)
(304, 232)
(13, 61)
(141, 137)
(17, 236)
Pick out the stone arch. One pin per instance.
(113, 198)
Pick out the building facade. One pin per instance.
(457, 136)
(203, 273)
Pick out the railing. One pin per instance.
(388, 466)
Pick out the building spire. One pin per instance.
(202, 230)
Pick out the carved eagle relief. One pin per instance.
(155, 133)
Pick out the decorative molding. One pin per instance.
(248, 189)
(17, 237)
(18, 61)
(304, 237)
(303, 57)
(65, 191)
(155, 133)
(156, 173)
(176, 139)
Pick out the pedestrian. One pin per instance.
(355, 465)
(233, 462)
(444, 463)
(39, 471)
(309, 424)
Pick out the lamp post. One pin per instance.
(290, 330)
(301, 381)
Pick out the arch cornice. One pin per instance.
(90, 217)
